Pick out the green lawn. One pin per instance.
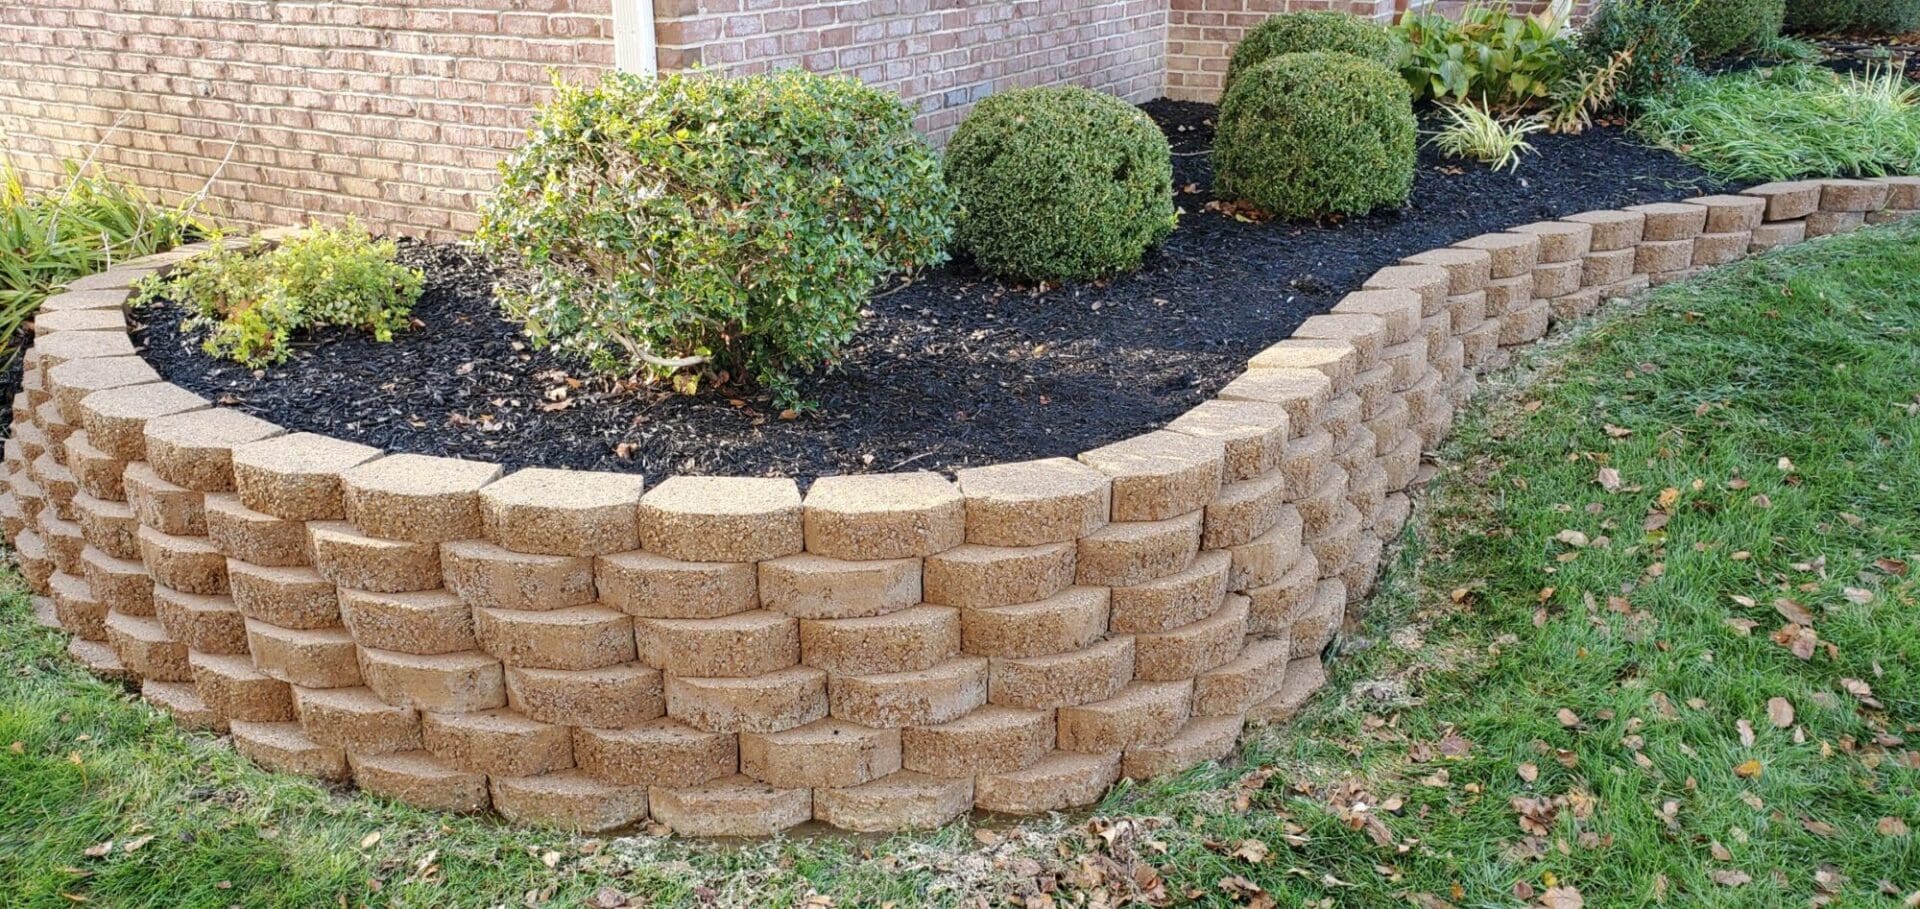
(1654, 639)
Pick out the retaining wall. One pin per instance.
(729, 656)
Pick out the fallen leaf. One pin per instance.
(1252, 851)
(1568, 718)
(1861, 691)
(1528, 772)
(1859, 595)
(1793, 611)
(1748, 770)
(1780, 712)
(1608, 478)
(366, 842)
(1891, 826)
(133, 845)
(1726, 878)
(1562, 898)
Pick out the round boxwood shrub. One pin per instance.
(1883, 17)
(1309, 31)
(698, 227)
(1723, 27)
(1060, 184)
(1305, 135)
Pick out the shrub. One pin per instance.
(696, 226)
(1646, 41)
(1489, 56)
(1474, 133)
(1060, 184)
(252, 300)
(1305, 135)
(1308, 31)
(1797, 121)
(1885, 17)
(1719, 28)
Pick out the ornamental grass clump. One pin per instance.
(1796, 121)
(1307, 135)
(1309, 31)
(252, 300)
(1060, 184)
(707, 229)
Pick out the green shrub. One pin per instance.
(252, 300)
(1883, 17)
(1489, 56)
(1305, 135)
(1719, 28)
(49, 238)
(697, 226)
(1060, 184)
(1645, 42)
(1309, 31)
(1797, 121)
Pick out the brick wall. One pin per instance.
(942, 55)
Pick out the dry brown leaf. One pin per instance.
(1528, 772)
(1748, 770)
(1891, 826)
(1780, 712)
(1732, 878)
(1568, 718)
(1562, 898)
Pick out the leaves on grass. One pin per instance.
(1780, 712)
(1749, 770)
(1726, 877)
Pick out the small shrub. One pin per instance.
(1060, 184)
(1489, 56)
(1719, 28)
(695, 226)
(1305, 135)
(1309, 31)
(1473, 133)
(1797, 121)
(1882, 17)
(1647, 41)
(252, 300)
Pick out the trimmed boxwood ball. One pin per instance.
(1060, 184)
(1306, 135)
(1724, 27)
(696, 227)
(1310, 31)
(1880, 17)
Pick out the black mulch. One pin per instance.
(950, 371)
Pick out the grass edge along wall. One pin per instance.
(726, 656)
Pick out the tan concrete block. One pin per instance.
(1244, 510)
(1558, 279)
(734, 806)
(883, 516)
(1131, 553)
(428, 622)
(1432, 282)
(284, 748)
(1161, 474)
(421, 780)
(1321, 502)
(229, 684)
(76, 609)
(735, 646)
(1268, 557)
(195, 449)
(905, 641)
(1172, 601)
(1732, 214)
(287, 597)
(1788, 201)
(161, 505)
(146, 650)
(1560, 241)
(1095, 673)
(187, 564)
(123, 584)
(1399, 312)
(355, 720)
(497, 743)
(568, 800)
(1512, 254)
(609, 697)
(1662, 256)
(1314, 628)
(978, 576)
(1304, 677)
(563, 512)
(1337, 360)
(310, 658)
(417, 498)
(1364, 570)
(1189, 650)
(1070, 620)
(578, 637)
(663, 752)
(1853, 195)
(1300, 391)
(489, 576)
(722, 519)
(349, 558)
(1719, 249)
(655, 587)
(296, 477)
(1143, 713)
(825, 753)
(1830, 223)
(772, 702)
(1253, 433)
(65, 542)
(1500, 296)
(1334, 546)
(1525, 326)
(447, 682)
(255, 537)
(1255, 675)
(47, 323)
(900, 801)
(51, 350)
(991, 739)
(1670, 221)
(925, 698)
(203, 624)
(1202, 739)
(1392, 516)
(1903, 193)
(1305, 458)
(1612, 230)
(99, 659)
(1610, 267)
(97, 473)
(1057, 782)
(1402, 464)
(1768, 236)
(71, 381)
(808, 586)
(30, 556)
(1032, 503)
(108, 526)
(1467, 270)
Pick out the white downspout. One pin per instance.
(633, 41)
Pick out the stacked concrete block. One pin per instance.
(1903, 200)
(1669, 234)
(1559, 271)
(1784, 220)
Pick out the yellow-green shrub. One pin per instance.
(1305, 135)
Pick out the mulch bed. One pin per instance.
(951, 370)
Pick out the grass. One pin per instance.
(1566, 686)
(1791, 122)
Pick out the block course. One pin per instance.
(733, 656)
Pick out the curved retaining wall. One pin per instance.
(728, 656)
